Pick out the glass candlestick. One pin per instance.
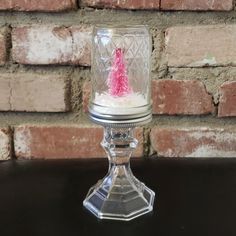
(120, 101)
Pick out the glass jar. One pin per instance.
(121, 75)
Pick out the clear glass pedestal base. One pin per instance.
(119, 196)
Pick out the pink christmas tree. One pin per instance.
(118, 82)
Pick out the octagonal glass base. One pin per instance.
(119, 196)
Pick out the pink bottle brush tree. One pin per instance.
(118, 82)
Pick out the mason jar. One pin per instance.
(121, 75)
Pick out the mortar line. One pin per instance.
(13, 153)
(146, 141)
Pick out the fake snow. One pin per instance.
(128, 101)
(119, 105)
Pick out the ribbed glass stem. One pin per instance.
(119, 144)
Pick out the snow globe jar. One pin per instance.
(120, 101)
(120, 75)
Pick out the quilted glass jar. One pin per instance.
(121, 75)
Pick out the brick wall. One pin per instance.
(45, 74)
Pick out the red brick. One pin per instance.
(188, 97)
(227, 102)
(194, 142)
(81, 45)
(3, 45)
(43, 45)
(37, 5)
(197, 46)
(5, 144)
(42, 93)
(57, 142)
(195, 5)
(86, 96)
(124, 4)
